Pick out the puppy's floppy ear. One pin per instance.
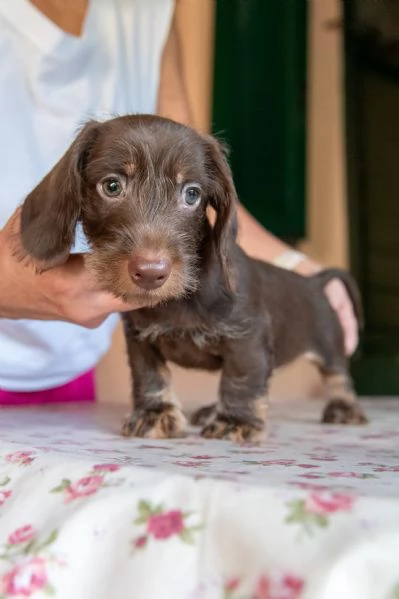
(51, 211)
(223, 199)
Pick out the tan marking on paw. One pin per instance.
(236, 432)
(162, 422)
(338, 386)
(261, 407)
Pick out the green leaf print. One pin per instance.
(65, 484)
(49, 541)
(49, 590)
(146, 510)
(187, 536)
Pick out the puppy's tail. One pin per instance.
(322, 278)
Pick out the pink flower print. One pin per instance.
(250, 451)
(288, 587)
(22, 458)
(294, 585)
(202, 457)
(326, 503)
(4, 495)
(262, 589)
(344, 474)
(314, 511)
(190, 464)
(278, 463)
(22, 535)
(163, 526)
(106, 467)
(321, 458)
(386, 469)
(158, 447)
(232, 584)
(307, 466)
(140, 542)
(311, 476)
(88, 485)
(26, 578)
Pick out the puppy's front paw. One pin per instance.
(164, 421)
(238, 432)
(339, 411)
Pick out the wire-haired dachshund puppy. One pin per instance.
(141, 186)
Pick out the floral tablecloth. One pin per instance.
(86, 514)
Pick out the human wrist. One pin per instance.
(308, 267)
(296, 261)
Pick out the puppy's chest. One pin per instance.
(193, 347)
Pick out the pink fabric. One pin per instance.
(80, 389)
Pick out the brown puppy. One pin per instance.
(141, 187)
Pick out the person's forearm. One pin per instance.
(255, 240)
(259, 243)
(173, 101)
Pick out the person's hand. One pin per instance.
(340, 301)
(65, 293)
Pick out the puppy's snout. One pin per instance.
(149, 273)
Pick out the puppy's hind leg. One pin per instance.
(342, 405)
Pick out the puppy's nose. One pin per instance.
(149, 274)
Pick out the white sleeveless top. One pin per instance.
(50, 83)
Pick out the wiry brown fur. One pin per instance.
(218, 309)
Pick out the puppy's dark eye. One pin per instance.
(112, 187)
(191, 195)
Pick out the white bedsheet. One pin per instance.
(86, 514)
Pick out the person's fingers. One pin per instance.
(94, 308)
(12, 232)
(340, 301)
(336, 294)
(13, 224)
(350, 326)
(117, 305)
(94, 323)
